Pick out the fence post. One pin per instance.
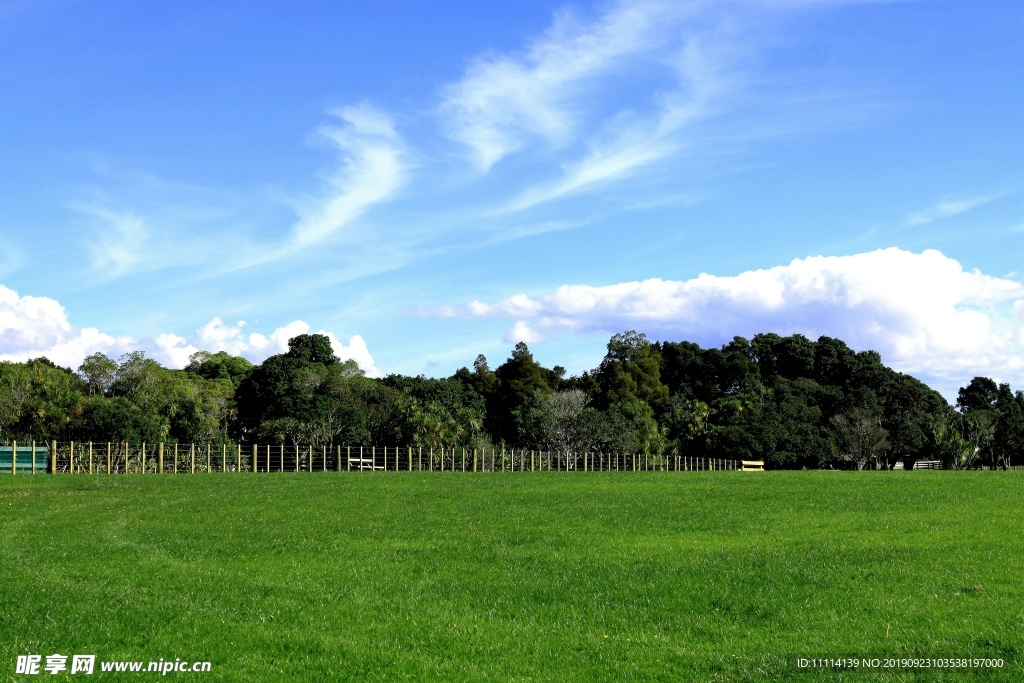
(108, 459)
(33, 457)
(14, 458)
(160, 457)
(53, 457)
(90, 457)
(143, 457)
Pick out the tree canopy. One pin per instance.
(791, 401)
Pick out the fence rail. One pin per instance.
(190, 458)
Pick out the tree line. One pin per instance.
(790, 401)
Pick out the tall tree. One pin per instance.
(520, 379)
(631, 371)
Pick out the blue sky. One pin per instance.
(429, 181)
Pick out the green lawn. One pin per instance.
(513, 577)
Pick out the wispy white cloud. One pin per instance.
(504, 99)
(923, 312)
(372, 169)
(632, 141)
(11, 258)
(186, 224)
(597, 99)
(610, 97)
(947, 208)
(117, 246)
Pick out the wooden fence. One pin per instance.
(178, 458)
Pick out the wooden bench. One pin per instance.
(752, 466)
(928, 465)
(356, 463)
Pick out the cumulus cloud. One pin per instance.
(217, 336)
(522, 332)
(32, 326)
(924, 312)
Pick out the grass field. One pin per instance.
(517, 577)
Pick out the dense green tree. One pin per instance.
(220, 365)
(99, 372)
(520, 379)
(628, 427)
(305, 394)
(1008, 440)
(834, 362)
(689, 371)
(117, 419)
(980, 394)
(631, 371)
(312, 348)
(908, 407)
